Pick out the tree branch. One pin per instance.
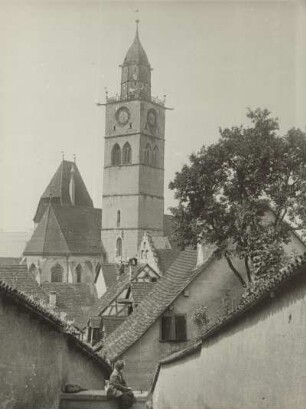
(247, 267)
(236, 272)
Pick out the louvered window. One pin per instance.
(173, 328)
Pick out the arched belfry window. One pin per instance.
(155, 157)
(119, 247)
(126, 154)
(116, 155)
(57, 273)
(78, 273)
(118, 218)
(148, 154)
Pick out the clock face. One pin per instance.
(151, 118)
(123, 116)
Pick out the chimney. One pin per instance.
(72, 186)
(52, 298)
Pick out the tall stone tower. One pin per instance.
(133, 181)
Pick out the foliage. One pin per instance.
(227, 192)
(200, 316)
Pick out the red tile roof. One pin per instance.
(67, 230)
(181, 273)
(58, 190)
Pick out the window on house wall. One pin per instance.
(127, 154)
(78, 273)
(116, 155)
(173, 328)
(119, 247)
(148, 154)
(155, 156)
(118, 218)
(57, 273)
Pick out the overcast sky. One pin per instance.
(211, 59)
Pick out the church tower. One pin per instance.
(133, 180)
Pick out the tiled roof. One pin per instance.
(166, 258)
(161, 242)
(67, 230)
(110, 274)
(140, 289)
(9, 261)
(58, 190)
(165, 291)
(74, 299)
(111, 294)
(18, 277)
(52, 319)
(112, 322)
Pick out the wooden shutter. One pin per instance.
(166, 328)
(180, 328)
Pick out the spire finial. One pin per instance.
(137, 21)
(63, 155)
(74, 158)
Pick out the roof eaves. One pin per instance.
(47, 316)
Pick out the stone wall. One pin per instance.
(256, 362)
(37, 360)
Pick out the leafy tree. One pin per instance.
(229, 188)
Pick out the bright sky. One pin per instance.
(212, 59)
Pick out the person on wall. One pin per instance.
(118, 389)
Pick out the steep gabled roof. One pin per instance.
(181, 273)
(58, 190)
(67, 230)
(18, 278)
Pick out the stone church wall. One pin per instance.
(37, 360)
(259, 361)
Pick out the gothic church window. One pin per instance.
(57, 273)
(78, 273)
(148, 154)
(126, 154)
(155, 157)
(116, 155)
(119, 247)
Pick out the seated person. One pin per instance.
(118, 389)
